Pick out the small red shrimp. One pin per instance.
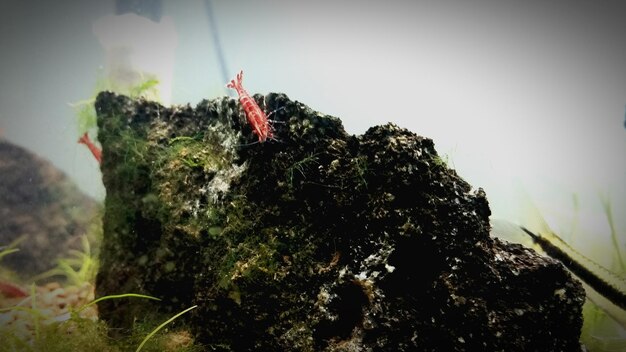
(97, 153)
(10, 290)
(256, 117)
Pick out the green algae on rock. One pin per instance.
(319, 241)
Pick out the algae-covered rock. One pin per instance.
(315, 241)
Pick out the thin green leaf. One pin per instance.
(125, 295)
(161, 326)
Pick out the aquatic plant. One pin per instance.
(86, 112)
(78, 268)
(29, 324)
(604, 330)
(71, 332)
(604, 322)
(606, 206)
(301, 167)
(148, 87)
(153, 332)
(6, 250)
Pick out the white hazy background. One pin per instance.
(526, 98)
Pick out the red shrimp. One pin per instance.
(256, 117)
(10, 290)
(97, 153)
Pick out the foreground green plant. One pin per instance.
(153, 332)
(79, 268)
(86, 112)
(605, 330)
(6, 250)
(606, 205)
(71, 332)
(604, 322)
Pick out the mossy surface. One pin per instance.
(315, 241)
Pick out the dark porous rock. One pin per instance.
(42, 212)
(315, 241)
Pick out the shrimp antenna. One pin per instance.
(217, 43)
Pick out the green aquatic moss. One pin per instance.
(86, 117)
(180, 163)
(85, 335)
(164, 186)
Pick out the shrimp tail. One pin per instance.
(97, 153)
(11, 291)
(84, 139)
